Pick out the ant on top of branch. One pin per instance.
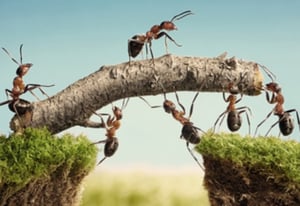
(234, 120)
(111, 125)
(136, 43)
(285, 120)
(189, 132)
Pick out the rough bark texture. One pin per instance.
(232, 185)
(74, 105)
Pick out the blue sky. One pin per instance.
(67, 40)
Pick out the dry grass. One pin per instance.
(144, 188)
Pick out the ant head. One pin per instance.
(23, 69)
(169, 106)
(168, 25)
(117, 112)
(233, 89)
(273, 87)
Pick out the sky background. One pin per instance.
(68, 40)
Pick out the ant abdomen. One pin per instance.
(286, 124)
(234, 121)
(190, 134)
(20, 106)
(111, 146)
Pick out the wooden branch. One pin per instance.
(75, 104)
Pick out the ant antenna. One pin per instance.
(268, 72)
(21, 58)
(179, 16)
(124, 103)
(13, 59)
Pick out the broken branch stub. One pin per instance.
(75, 104)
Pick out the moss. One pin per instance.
(251, 171)
(37, 158)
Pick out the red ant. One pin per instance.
(19, 86)
(136, 43)
(234, 120)
(17, 105)
(112, 124)
(189, 131)
(285, 120)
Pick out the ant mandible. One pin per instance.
(285, 120)
(136, 43)
(189, 131)
(234, 120)
(111, 125)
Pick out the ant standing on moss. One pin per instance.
(285, 120)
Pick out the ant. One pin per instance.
(112, 124)
(17, 105)
(234, 120)
(19, 86)
(136, 43)
(285, 121)
(189, 131)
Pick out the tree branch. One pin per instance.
(75, 104)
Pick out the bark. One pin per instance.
(75, 104)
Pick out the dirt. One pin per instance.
(229, 184)
(61, 188)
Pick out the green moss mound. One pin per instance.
(41, 169)
(251, 171)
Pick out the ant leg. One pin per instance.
(103, 125)
(99, 142)
(263, 122)
(169, 37)
(199, 129)
(246, 110)
(5, 102)
(271, 100)
(150, 48)
(273, 125)
(17, 113)
(192, 105)
(101, 160)
(155, 106)
(166, 45)
(238, 100)
(30, 87)
(225, 99)
(7, 92)
(194, 157)
(177, 98)
(221, 115)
